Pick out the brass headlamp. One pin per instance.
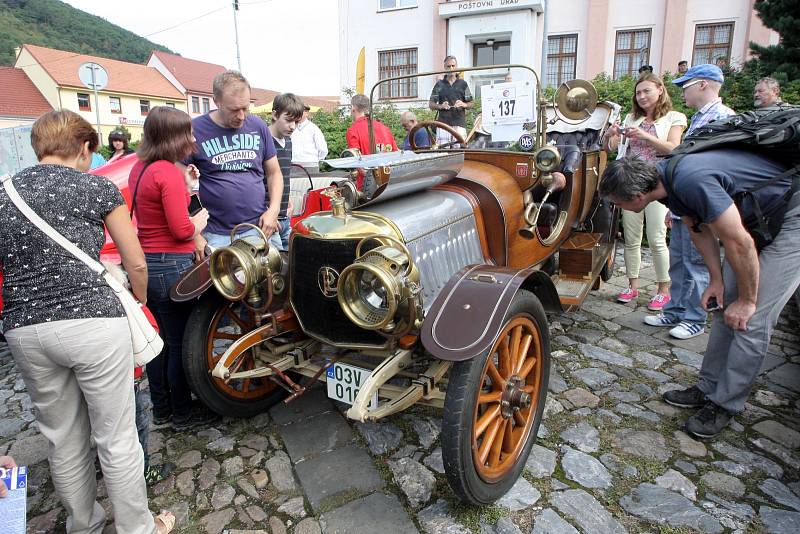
(547, 159)
(380, 289)
(240, 269)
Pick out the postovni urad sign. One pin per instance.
(471, 7)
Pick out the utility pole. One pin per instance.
(236, 31)
(543, 68)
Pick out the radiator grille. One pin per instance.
(321, 316)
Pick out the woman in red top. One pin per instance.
(160, 202)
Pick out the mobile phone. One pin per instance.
(712, 305)
(194, 204)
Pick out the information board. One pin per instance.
(506, 107)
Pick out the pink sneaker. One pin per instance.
(658, 302)
(628, 295)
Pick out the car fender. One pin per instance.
(193, 282)
(467, 315)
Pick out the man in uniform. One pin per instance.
(451, 97)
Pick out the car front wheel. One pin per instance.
(494, 404)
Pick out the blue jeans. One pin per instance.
(689, 276)
(733, 357)
(169, 390)
(142, 422)
(216, 241)
(285, 228)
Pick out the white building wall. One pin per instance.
(362, 24)
(519, 27)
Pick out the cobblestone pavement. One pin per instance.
(611, 459)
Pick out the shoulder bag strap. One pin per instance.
(136, 189)
(40, 223)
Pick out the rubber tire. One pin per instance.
(461, 397)
(199, 376)
(607, 272)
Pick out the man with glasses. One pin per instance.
(683, 314)
(451, 98)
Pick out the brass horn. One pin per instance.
(575, 100)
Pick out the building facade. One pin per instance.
(193, 78)
(132, 89)
(580, 38)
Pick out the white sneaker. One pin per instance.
(686, 330)
(659, 320)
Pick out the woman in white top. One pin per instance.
(650, 131)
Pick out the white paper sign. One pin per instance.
(506, 107)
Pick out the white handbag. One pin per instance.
(145, 340)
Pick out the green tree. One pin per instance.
(54, 24)
(782, 60)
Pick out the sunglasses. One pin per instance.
(687, 85)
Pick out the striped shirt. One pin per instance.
(285, 161)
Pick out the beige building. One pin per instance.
(578, 39)
(132, 89)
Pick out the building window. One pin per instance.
(171, 104)
(631, 52)
(397, 63)
(195, 104)
(712, 44)
(144, 106)
(84, 104)
(206, 106)
(491, 53)
(115, 104)
(562, 55)
(395, 4)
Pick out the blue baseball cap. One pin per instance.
(707, 71)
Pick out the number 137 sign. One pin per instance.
(506, 107)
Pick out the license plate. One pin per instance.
(345, 381)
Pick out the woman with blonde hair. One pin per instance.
(650, 131)
(67, 330)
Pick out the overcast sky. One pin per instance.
(285, 45)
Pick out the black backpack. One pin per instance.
(773, 132)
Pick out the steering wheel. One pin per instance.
(459, 140)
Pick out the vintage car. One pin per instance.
(429, 286)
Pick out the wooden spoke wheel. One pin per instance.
(494, 404)
(215, 323)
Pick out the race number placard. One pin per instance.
(506, 107)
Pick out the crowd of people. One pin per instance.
(68, 335)
(67, 331)
(697, 200)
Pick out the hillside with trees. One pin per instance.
(54, 24)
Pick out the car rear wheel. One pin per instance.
(494, 404)
(215, 323)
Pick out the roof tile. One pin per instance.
(19, 97)
(123, 77)
(196, 76)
